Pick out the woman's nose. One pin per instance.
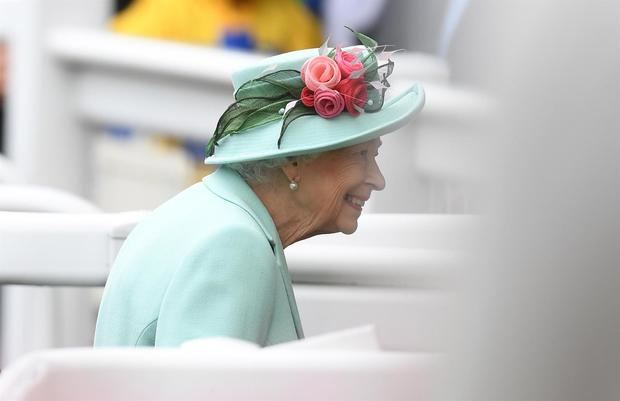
(374, 177)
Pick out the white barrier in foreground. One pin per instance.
(225, 369)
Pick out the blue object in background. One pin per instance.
(119, 132)
(315, 7)
(195, 149)
(241, 40)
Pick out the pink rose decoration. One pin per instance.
(347, 62)
(328, 103)
(354, 93)
(320, 70)
(307, 97)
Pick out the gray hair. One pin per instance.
(259, 171)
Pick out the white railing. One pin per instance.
(388, 250)
(394, 265)
(144, 83)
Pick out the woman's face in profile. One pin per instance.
(335, 186)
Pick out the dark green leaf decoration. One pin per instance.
(370, 67)
(382, 71)
(258, 102)
(377, 96)
(299, 110)
(389, 69)
(264, 115)
(236, 114)
(247, 113)
(367, 41)
(273, 85)
(369, 58)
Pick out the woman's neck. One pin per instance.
(293, 222)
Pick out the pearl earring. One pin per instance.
(293, 185)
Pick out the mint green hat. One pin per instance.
(274, 116)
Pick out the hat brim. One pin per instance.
(312, 134)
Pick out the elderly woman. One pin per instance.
(296, 155)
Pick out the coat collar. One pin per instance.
(229, 185)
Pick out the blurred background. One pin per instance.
(136, 156)
(112, 103)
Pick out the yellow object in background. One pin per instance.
(273, 25)
(267, 25)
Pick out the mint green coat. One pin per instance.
(209, 262)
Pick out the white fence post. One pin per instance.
(44, 139)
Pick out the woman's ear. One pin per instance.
(291, 169)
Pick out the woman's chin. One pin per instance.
(349, 228)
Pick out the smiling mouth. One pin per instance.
(354, 202)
